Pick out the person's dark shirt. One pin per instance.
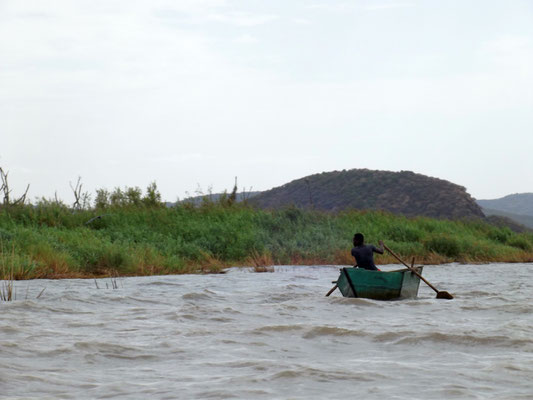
(364, 256)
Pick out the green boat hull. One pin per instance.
(400, 284)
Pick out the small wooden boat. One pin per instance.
(378, 285)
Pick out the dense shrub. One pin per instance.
(403, 233)
(444, 244)
(501, 235)
(520, 242)
(51, 239)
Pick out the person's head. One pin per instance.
(358, 239)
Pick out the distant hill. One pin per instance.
(520, 203)
(214, 197)
(517, 220)
(403, 192)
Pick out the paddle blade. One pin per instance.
(444, 295)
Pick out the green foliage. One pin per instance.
(118, 198)
(50, 238)
(5, 235)
(102, 199)
(403, 232)
(133, 196)
(520, 242)
(19, 266)
(501, 235)
(130, 197)
(152, 197)
(443, 244)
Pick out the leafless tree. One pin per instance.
(233, 195)
(6, 191)
(77, 193)
(81, 200)
(245, 196)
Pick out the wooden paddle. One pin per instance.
(336, 286)
(440, 294)
(332, 290)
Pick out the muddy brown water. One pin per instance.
(247, 335)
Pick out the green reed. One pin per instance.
(51, 240)
(7, 287)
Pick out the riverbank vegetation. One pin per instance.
(128, 233)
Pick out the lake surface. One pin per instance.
(274, 335)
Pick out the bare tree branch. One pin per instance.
(22, 199)
(6, 191)
(5, 186)
(77, 193)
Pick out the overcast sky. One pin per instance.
(196, 92)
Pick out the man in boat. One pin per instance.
(364, 253)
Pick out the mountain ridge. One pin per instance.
(403, 192)
(517, 203)
(516, 219)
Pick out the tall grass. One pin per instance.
(50, 240)
(7, 287)
(7, 292)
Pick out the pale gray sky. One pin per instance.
(196, 92)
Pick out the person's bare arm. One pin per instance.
(380, 249)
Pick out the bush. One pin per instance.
(443, 244)
(18, 266)
(52, 239)
(402, 233)
(500, 235)
(293, 214)
(520, 242)
(5, 235)
(408, 249)
(475, 249)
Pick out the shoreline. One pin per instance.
(223, 267)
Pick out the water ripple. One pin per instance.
(267, 336)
